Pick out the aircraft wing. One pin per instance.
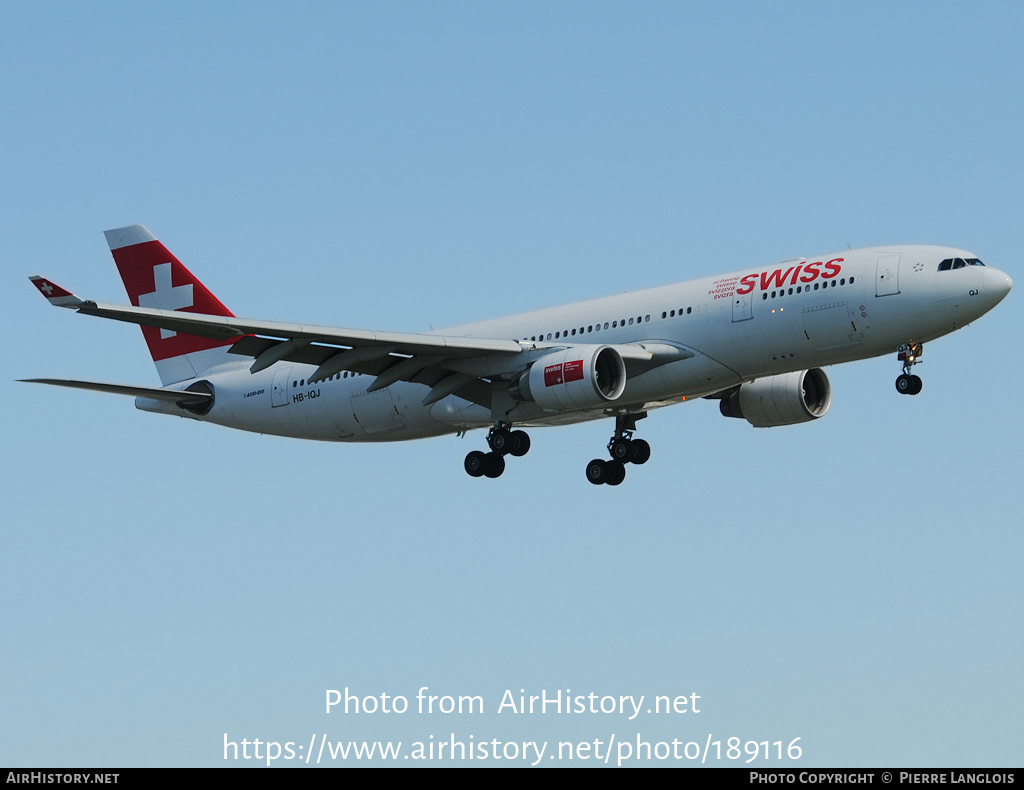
(429, 359)
(447, 364)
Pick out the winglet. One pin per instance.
(54, 294)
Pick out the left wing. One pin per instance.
(449, 365)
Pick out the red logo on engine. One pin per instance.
(563, 374)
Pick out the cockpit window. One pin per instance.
(958, 263)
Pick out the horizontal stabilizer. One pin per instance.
(172, 396)
(54, 293)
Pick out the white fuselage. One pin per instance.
(797, 315)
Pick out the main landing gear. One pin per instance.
(909, 354)
(503, 441)
(624, 449)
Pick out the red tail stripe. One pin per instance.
(153, 277)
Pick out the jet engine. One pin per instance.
(580, 377)
(786, 399)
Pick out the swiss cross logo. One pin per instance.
(166, 296)
(46, 288)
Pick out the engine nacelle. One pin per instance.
(787, 399)
(580, 377)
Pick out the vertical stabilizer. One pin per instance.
(154, 278)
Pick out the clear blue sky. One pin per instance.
(855, 582)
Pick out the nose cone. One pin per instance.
(997, 285)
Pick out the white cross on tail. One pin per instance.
(166, 296)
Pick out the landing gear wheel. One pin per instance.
(909, 354)
(596, 471)
(615, 473)
(500, 441)
(621, 449)
(494, 464)
(519, 444)
(640, 452)
(476, 461)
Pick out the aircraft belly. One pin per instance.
(395, 413)
(699, 375)
(461, 414)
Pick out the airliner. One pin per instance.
(755, 340)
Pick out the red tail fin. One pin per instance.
(155, 278)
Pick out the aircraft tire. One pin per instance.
(620, 449)
(596, 473)
(616, 473)
(916, 385)
(475, 464)
(494, 464)
(640, 452)
(904, 385)
(500, 441)
(520, 444)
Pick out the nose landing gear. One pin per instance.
(624, 449)
(909, 354)
(503, 441)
